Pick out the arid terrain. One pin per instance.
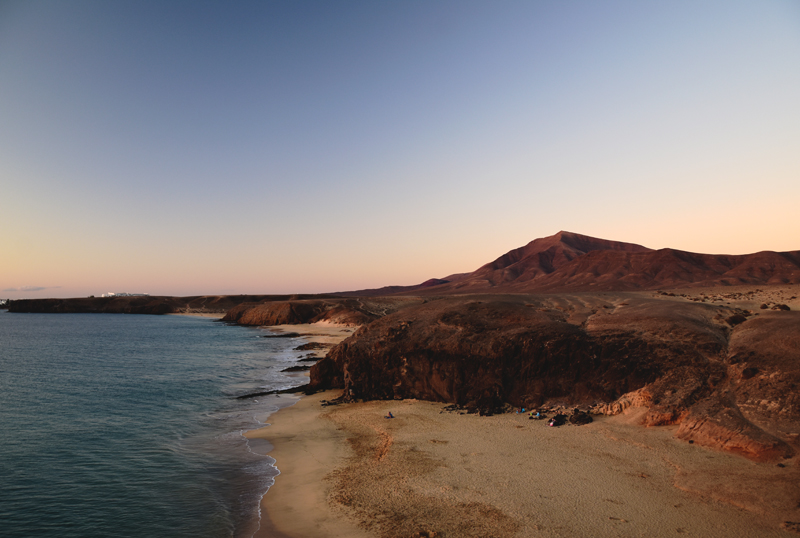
(710, 343)
(704, 349)
(570, 262)
(727, 374)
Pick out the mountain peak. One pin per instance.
(545, 255)
(571, 261)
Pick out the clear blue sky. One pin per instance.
(256, 147)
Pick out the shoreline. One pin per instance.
(325, 335)
(216, 315)
(321, 335)
(348, 471)
(305, 448)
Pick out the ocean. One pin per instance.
(122, 425)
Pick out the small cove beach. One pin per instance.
(348, 471)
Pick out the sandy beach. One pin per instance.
(215, 315)
(348, 471)
(321, 335)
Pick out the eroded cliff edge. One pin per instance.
(726, 375)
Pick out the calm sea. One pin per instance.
(120, 425)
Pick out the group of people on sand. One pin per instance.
(535, 414)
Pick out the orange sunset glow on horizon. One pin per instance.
(307, 148)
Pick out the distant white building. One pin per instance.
(123, 294)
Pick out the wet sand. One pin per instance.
(347, 471)
(302, 462)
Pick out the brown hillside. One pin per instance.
(569, 262)
(668, 268)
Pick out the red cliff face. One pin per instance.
(757, 411)
(684, 359)
(344, 311)
(668, 268)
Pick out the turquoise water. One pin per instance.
(118, 425)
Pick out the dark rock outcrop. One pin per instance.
(296, 369)
(343, 311)
(717, 422)
(580, 418)
(275, 313)
(97, 305)
(764, 374)
(467, 352)
(681, 360)
(484, 353)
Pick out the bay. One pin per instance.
(120, 425)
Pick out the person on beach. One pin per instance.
(558, 420)
(390, 415)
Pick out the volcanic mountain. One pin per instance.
(572, 262)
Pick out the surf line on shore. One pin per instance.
(307, 447)
(262, 447)
(319, 338)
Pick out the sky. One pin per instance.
(195, 147)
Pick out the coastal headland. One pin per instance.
(686, 364)
(147, 305)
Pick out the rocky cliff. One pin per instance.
(705, 367)
(342, 311)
